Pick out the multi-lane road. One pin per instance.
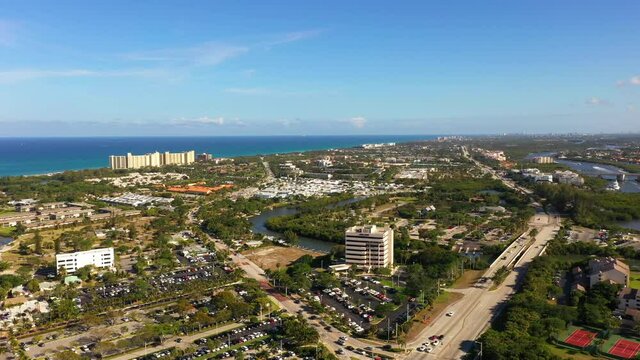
(474, 312)
(479, 305)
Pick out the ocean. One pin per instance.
(31, 156)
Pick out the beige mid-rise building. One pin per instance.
(608, 270)
(369, 246)
(155, 159)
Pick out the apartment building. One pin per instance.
(369, 246)
(608, 269)
(71, 262)
(629, 298)
(155, 159)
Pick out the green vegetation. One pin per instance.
(295, 276)
(67, 186)
(227, 219)
(7, 231)
(592, 209)
(432, 266)
(634, 280)
(541, 310)
(322, 219)
(500, 275)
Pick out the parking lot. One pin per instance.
(227, 344)
(161, 283)
(357, 300)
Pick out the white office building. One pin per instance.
(369, 246)
(100, 258)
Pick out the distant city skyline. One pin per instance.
(169, 68)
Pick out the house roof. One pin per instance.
(607, 264)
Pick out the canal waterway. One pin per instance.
(633, 224)
(4, 241)
(628, 186)
(258, 225)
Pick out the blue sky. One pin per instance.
(318, 67)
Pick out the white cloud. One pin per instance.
(166, 61)
(8, 30)
(210, 120)
(247, 91)
(200, 121)
(288, 122)
(239, 123)
(16, 75)
(293, 37)
(206, 54)
(595, 101)
(358, 122)
(213, 53)
(634, 80)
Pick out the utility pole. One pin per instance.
(407, 311)
(397, 335)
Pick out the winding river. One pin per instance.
(258, 225)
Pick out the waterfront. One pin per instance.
(628, 186)
(29, 156)
(258, 226)
(633, 224)
(5, 241)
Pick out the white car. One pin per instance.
(422, 348)
(428, 349)
(435, 343)
(450, 313)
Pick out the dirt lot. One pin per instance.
(272, 257)
(579, 233)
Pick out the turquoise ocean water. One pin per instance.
(29, 156)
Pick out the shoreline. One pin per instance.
(263, 149)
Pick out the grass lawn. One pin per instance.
(467, 279)
(566, 353)
(634, 280)
(6, 231)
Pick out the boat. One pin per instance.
(613, 186)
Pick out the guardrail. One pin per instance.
(506, 251)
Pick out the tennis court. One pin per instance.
(625, 349)
(580, 338)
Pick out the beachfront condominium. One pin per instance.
(100, 258)
(155, 159)
(369, 246)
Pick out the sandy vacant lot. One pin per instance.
(272, 257)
